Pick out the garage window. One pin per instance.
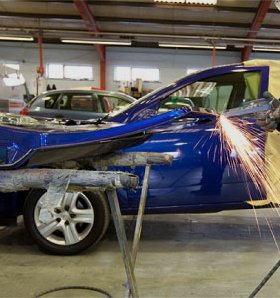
(76, 72)
(55, 71)
(72, 72)
(127, 73)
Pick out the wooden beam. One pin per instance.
(255, 27)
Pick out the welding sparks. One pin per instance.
(236, 137)
(239, 136)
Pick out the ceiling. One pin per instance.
(235, 24)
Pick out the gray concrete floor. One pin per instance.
(202, 255)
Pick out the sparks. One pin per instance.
(240, 137)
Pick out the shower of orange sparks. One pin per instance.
(239, 136)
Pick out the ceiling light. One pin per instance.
(98, 41)
(266, 49)
(19, 38)
(171, 1)
(195, 2)
(191, 46)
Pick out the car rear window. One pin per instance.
(82, 102)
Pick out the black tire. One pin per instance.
(91, 233)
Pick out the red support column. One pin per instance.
(40, 69)
(255, 27)
(86, 14)
(214, 56)
(103, 72)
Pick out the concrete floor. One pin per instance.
(204, 255)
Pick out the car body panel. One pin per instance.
(195, 182)
(34, 143)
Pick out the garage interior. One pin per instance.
(224, 254)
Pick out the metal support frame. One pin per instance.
(58, 181)
(120, 230)
(129, 257)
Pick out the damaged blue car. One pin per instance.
(199, 180)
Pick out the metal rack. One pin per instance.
(58, 181)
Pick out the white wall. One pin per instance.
(172, 63)
(27, 55)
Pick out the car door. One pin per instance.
(200, 177)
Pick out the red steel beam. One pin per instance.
(90, 22)
(255, 27)
(92, 27)
(40, 69)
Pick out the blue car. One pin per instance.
(200, 179)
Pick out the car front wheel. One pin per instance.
(78, 222)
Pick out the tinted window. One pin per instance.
(47, 101)
(216, 94)
(113, 102)
(81, 102)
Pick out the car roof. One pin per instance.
(76, 90)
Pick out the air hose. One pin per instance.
(74, 288)
(265, 280)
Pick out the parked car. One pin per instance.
(76, 104)
(196, 182)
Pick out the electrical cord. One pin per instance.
(265, 280)
(74, 288)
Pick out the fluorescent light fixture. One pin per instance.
(266, 49)
(19, 38)
(195, 2)
(171, 1)
(191, 46)
(98, 41)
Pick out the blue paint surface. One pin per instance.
(200, 179)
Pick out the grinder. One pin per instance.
(261, 105)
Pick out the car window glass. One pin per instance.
(114, 102)
(216, 94)
(83, 103)
(47, 101)
(64, 102)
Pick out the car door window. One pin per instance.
(64, 102)
(113, 101)
(47, 101)
(216, 94)
(83, 103)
